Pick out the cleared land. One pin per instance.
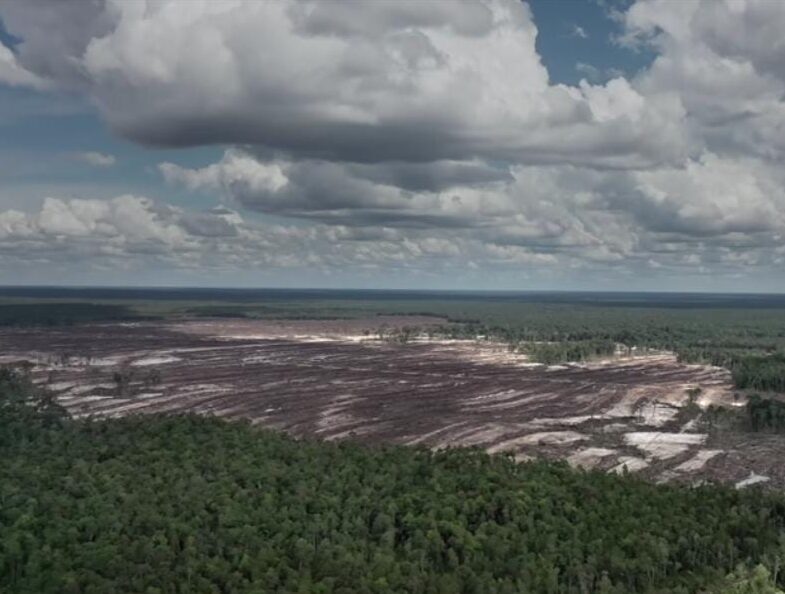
(336, 379)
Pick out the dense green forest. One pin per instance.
(575, 350)
(192, 504)
(62, 314)
(751, 369)
(765, 414)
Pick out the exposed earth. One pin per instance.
(346, 379)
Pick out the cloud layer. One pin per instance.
(406, 81)
(427, 134)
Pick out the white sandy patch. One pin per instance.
(690, 425)
(630, 463)
(104, 361)
(76, 400)
(656, 414)
(118, 411)
(50, 361)
(463, 436)
(625, 406)
(352, 432)
(415, 440)
(336, 414)
(538, 438)
(331, 418)
(160, 360)
(698, 461)
(192, 389)
(502, 395)
(60, 386)
(753, 479)
(589, 457)
(486, 352)
(483, 434)
(634, 360)
(660, 404)
(84, 388)
(662, 445)
(614, 428)
(656, 407)
(718, 396)
(651, 405)
(516, 401)
(576, 420)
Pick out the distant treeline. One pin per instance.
(750, 341)
(751, 370)
(751, 344)
(62, 314)
(558, 352)
(189, 504)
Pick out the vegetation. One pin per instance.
(191, 504)
(766, 414)
(744, 333)
(760, 414)
(557, 352)
(744, 581)
(61, 314)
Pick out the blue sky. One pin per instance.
(40, 131)
(575, 33)
(230, 150)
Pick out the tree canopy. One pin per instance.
(193, 504)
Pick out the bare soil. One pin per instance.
(336, 379)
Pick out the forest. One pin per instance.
(744, 333)
(576, 350)
(62, 313)
(766, 414)
(182, 504)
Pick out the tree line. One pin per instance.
(748, 342)
(557, 352)
(63, 314)
(766, 414)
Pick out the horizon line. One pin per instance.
(384, 290)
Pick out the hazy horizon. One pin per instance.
(436, 291)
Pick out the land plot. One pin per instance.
(343, 380)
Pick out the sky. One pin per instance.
(469, 144)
